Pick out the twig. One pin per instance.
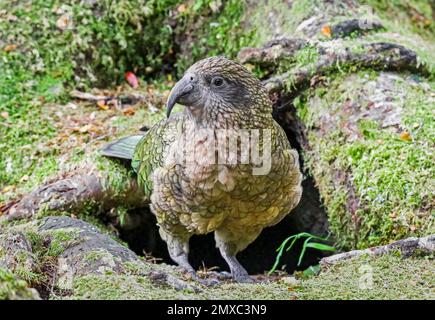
(88, 96)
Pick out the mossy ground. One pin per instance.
(406, 17)
(380, 278)
(13, 288)
(385, 277)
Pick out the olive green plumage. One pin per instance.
(197, 186)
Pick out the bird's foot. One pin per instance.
(205, 282)
(240, 275)
(243, 278)
(222, 275)
(225, 276)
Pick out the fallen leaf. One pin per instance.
(85, 128)
(249, 66)
(128, 111)
(10, 47)
(12, 18)
(326, 31)
(132, 80)
(24, 178)
(9, 188)
(102, 105)
(4, 114)
(370, 105)
(317, 79)
(64, 22)
(405, 136)
(182, 8)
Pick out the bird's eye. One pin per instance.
(217, 81)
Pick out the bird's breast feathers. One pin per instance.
(202, 189)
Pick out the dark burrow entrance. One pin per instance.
(309, 216)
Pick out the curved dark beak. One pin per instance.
(181, 89)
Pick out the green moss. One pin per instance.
(52, 243)
(36, 240)
(59, 241)
(212, 33)
(140, 287)
(390, 176)
(385, 277)
(414, 16)
(113, 287)
(12, 288)
(119, 175)
(99, 42)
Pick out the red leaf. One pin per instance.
(132, 80)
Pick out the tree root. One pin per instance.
(406, 246)
(375, 56)
(73, 193)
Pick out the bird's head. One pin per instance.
(216, 90)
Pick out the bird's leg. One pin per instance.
(237, 271)
(178, 251)
(228, 250)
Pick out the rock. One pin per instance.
(12, 288)
(89, 252)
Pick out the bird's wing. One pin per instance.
(122, 148)
(279, 137)
(151, 151)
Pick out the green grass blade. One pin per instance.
(320, 246)
(280, 252)
(304, 248)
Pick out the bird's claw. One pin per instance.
(208, 282)
(243, 279)
(205, 282)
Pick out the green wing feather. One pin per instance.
(151, 150)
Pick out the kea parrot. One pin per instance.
(198, 167)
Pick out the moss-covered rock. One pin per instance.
(370, 137)
(12, 288)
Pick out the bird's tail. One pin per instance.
(123, 148)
